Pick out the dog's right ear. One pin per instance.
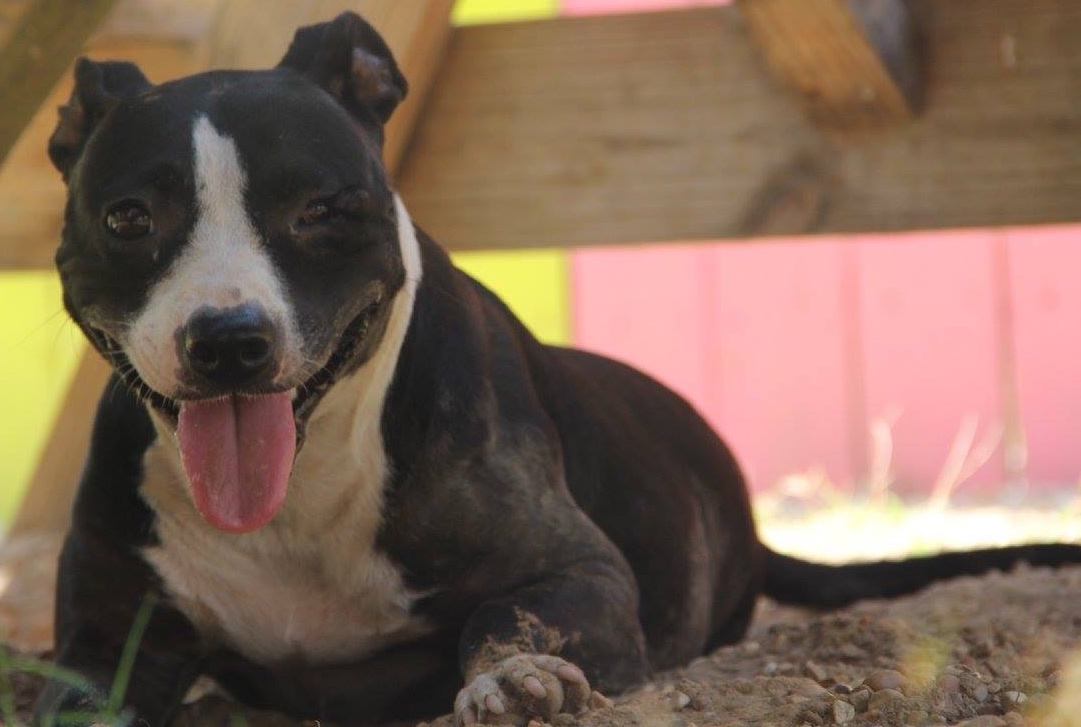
(350, 60)
(98, 88)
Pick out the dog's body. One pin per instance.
(351, 477)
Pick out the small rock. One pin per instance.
(770, 668)
(851, 651)
(1012, 699)
(883, 697)
(843, 712)
(678, 700)
(814, 671)
(859, 698)
(533, 723)
(599, 701)
(886, 679)
(750, 648)
(839, 688)
(949, 683)
(973, 687)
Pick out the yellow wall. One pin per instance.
(534, 283)
(39, 349)
(467, 12)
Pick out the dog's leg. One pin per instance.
(103, 588)
(531, 653)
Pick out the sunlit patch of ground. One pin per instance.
(811, 519)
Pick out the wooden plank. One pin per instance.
(934, 379)
(1046, 306)
(853, 63)
(38, 38)
(783, 379)
(665, 127)
(625, 303)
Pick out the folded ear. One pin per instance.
(349, 59)
(98, 88)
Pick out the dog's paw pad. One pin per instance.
(521, 687)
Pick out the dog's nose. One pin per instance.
(232, 346)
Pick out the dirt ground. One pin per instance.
(1003, 649)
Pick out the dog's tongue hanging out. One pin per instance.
(238, 454)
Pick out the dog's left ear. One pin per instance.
(98, 88)
(349, 59)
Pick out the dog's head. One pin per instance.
(231, 246)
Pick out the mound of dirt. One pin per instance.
(993, 651)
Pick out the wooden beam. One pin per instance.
(666, 127)
(853, 63)
(38, 38)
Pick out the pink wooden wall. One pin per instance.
(794, 349)
(944, 344)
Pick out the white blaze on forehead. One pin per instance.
(224, 263)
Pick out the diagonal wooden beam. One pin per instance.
(853, 63)
(38, 39)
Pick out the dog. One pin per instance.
(351, 484)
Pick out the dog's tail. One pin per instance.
(801, 583)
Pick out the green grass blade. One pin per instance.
(7, 692)
(127, 658)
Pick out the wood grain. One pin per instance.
(38, 39)
(667, 127)
(846, 59)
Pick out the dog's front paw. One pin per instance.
(520, 687)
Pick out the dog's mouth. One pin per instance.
(305, 395)
(237, 449)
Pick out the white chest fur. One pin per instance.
(311, 583)
(283, 592)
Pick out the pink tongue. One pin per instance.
(238, 454)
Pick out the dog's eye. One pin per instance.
(317, 212)
(129, 221)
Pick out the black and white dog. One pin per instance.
(357, 486)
